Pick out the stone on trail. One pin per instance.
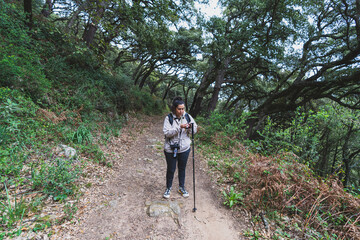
(65, 151)
(114, 203)
(164, 208)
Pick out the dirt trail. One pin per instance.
(116, 207)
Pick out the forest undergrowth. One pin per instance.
(58, 104)
(36, 171)
(47, 161)
(283, 198)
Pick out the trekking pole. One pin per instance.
(193, 150)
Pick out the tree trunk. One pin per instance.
(154, 86)
(138, 72)
(346, 157)
(228, 100)
(334, 158)
(28, 13)
(218, 82)
(200, 93)
(47, 8)
(161, 79)
(166, 92)
(89, 34)
(169, 86)
(233, 103)
(74, 16)
(324, 154)
(186, 96)
(253, 123)
(90, 30)
(118, 58)
(147, 74)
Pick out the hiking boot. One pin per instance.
(167, 193)
(183, 192)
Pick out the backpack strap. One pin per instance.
(171, 118)
(187, 117)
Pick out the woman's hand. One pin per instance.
(185, 125)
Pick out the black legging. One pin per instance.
(171, 167)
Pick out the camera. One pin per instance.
(175, 147)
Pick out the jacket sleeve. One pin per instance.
(170, 131)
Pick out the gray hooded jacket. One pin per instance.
(174, 134)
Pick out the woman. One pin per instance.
(177, 130)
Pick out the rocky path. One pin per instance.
(118, 206)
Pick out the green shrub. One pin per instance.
(232, 198)
(56, 178)
(93, 152)
(17, 127)
(302, 137)
(11, 212)
(143, 101)
(10, 165)
(82, 135)
(222, 124)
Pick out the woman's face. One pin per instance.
(179, 110)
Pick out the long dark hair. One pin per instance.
(176, 102)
